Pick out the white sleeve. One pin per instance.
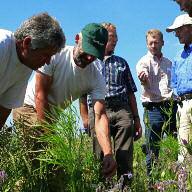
(14, 96)
(49, 69)
(142, 66)
(99, 87)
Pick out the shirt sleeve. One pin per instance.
(49, 69)
(99, 87)
(174, 78)
(131, 87)
(142, 66)
(14, 96)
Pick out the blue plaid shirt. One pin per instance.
(181, 76)
(118, 78)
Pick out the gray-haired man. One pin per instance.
(182, 82)
(70, 74)
(29, 48)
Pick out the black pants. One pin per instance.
(122, 132)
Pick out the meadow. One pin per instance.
(64, 160)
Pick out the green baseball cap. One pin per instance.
(94, 40)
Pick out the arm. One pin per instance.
(103, 136)
(4, 113)
(144, 78)
(143, 72)
(84, 110)
(42, 87)
(137, 124)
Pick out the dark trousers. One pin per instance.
(157, 122)
(122, 132)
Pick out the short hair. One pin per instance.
(44, 31)
(108, 25)
(154, 33)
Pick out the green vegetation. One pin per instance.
(63, 159)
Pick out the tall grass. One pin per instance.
(66, 163)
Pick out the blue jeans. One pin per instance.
(155, 120)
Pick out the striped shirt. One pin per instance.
(118, 77)
(159, 74)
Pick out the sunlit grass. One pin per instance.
(65, 160)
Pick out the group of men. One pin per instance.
(103, 82)
(167, 88)
(120, 105)
(63, 74)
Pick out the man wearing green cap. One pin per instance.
(70, 74)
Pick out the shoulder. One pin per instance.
(167, 61)
(118, 58)
(61, 57)
(144, 58)
(6, 38)
(5, 34)
(121, 62)
(95, 68)
(7, 44)
(67, 50)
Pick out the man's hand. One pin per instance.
(138, 130)
(109, 166)
(4, 113)
(143, 77)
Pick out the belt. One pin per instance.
(156, 104)
(118, 98)
(187, 96)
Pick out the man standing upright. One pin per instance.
(182, 81)
(154, 73)
(29, 48)
(121, 106)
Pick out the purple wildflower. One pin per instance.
(3, 176)
(184, 141)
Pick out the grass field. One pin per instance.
(62, 160)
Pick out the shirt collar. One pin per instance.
(106, 57)
(188, 48)
(154, 57)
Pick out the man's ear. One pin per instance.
(27, 42)
(77, 38)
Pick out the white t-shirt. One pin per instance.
(159, 74)
(69, 81)
(13, 74)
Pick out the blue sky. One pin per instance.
(132, 19)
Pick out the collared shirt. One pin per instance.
(182, 72)
(119, 80)
(118, 77)
(159, 73)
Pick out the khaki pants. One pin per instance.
(26, 115)
(25, 119)
(184, 119)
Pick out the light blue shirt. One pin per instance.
(181, 76)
